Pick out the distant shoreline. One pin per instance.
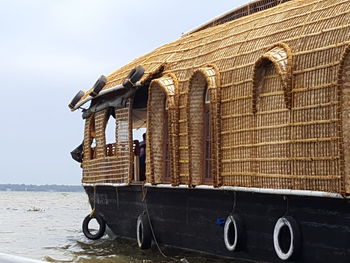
(41, 188)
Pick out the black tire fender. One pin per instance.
(98, 86)
(143, 232)
(76, 98)
(134, 76)
(101, 231)
(234, 233)
(78, 153)
(292, 229)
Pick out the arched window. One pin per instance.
(279, 59)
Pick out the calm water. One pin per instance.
(47, 226)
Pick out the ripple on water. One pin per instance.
(122, 251)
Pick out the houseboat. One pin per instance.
(247, 146)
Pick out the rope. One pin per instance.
(94, 206)
(287, 205)
(92, 212)
(117, 194)
(144, 193)
(234, 202)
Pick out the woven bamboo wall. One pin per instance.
(271, 133)
(306, 130)
(89, 134)
(112, 163)
(183, 137)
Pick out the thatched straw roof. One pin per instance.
(315, 30)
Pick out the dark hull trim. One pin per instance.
(186, 218)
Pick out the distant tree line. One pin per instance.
(41, 188)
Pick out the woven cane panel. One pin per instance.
(89, 126)
(94, 129)
(105, 170)
(100, 124)
(124, 142)
(183, 139)
(271, 148)
(198, 86)
(345, 81)
(156, 132)
(111, 169)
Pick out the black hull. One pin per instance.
(186, 218)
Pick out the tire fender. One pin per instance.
(101, 231)
(76, 98)
(234, 233)
(293, 229)
(100, 83)
(143, 232)
(134, 76)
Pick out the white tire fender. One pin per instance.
(294, 241)
(234, 233)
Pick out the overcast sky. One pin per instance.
(51, 49)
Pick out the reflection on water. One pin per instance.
(123, 251)
(47, 226)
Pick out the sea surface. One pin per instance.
(47, 226)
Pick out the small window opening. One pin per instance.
(143, 158)
(110, 132)
(93, 138)
(207, 97)
(139, 149)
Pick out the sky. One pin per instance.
(51, 49)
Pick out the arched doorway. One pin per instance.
(198, 129)
(160, 131)
(203, 127)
